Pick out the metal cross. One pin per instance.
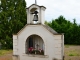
(35, 2)
(37, 46)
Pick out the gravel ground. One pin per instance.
(6, 57)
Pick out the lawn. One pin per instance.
(72, 52)
(4, 52)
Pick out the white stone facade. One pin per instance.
(48, 39)
(53, 43)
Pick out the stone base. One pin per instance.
(15, 57)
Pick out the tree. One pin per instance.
(71, 30)
(12, 18)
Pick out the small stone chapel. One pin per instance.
(37, 41)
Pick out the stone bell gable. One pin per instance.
(41, 14)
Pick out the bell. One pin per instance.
(35, 17)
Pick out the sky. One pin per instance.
(70, 9)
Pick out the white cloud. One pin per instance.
(70, 9)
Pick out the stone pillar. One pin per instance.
(15, 45)
(62, 45)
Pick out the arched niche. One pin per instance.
(33, 6)
(35, 45)
(32, 15)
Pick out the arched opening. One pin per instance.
(35, 45)
(34, 16)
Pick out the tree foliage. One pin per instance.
(71, 30)
(12, 19)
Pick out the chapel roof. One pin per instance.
(36, 5)
(50, 29)
(46, 27)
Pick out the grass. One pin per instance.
(4, 52)
(67, 46)
(73, 53)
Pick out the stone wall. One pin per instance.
(59, 44)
